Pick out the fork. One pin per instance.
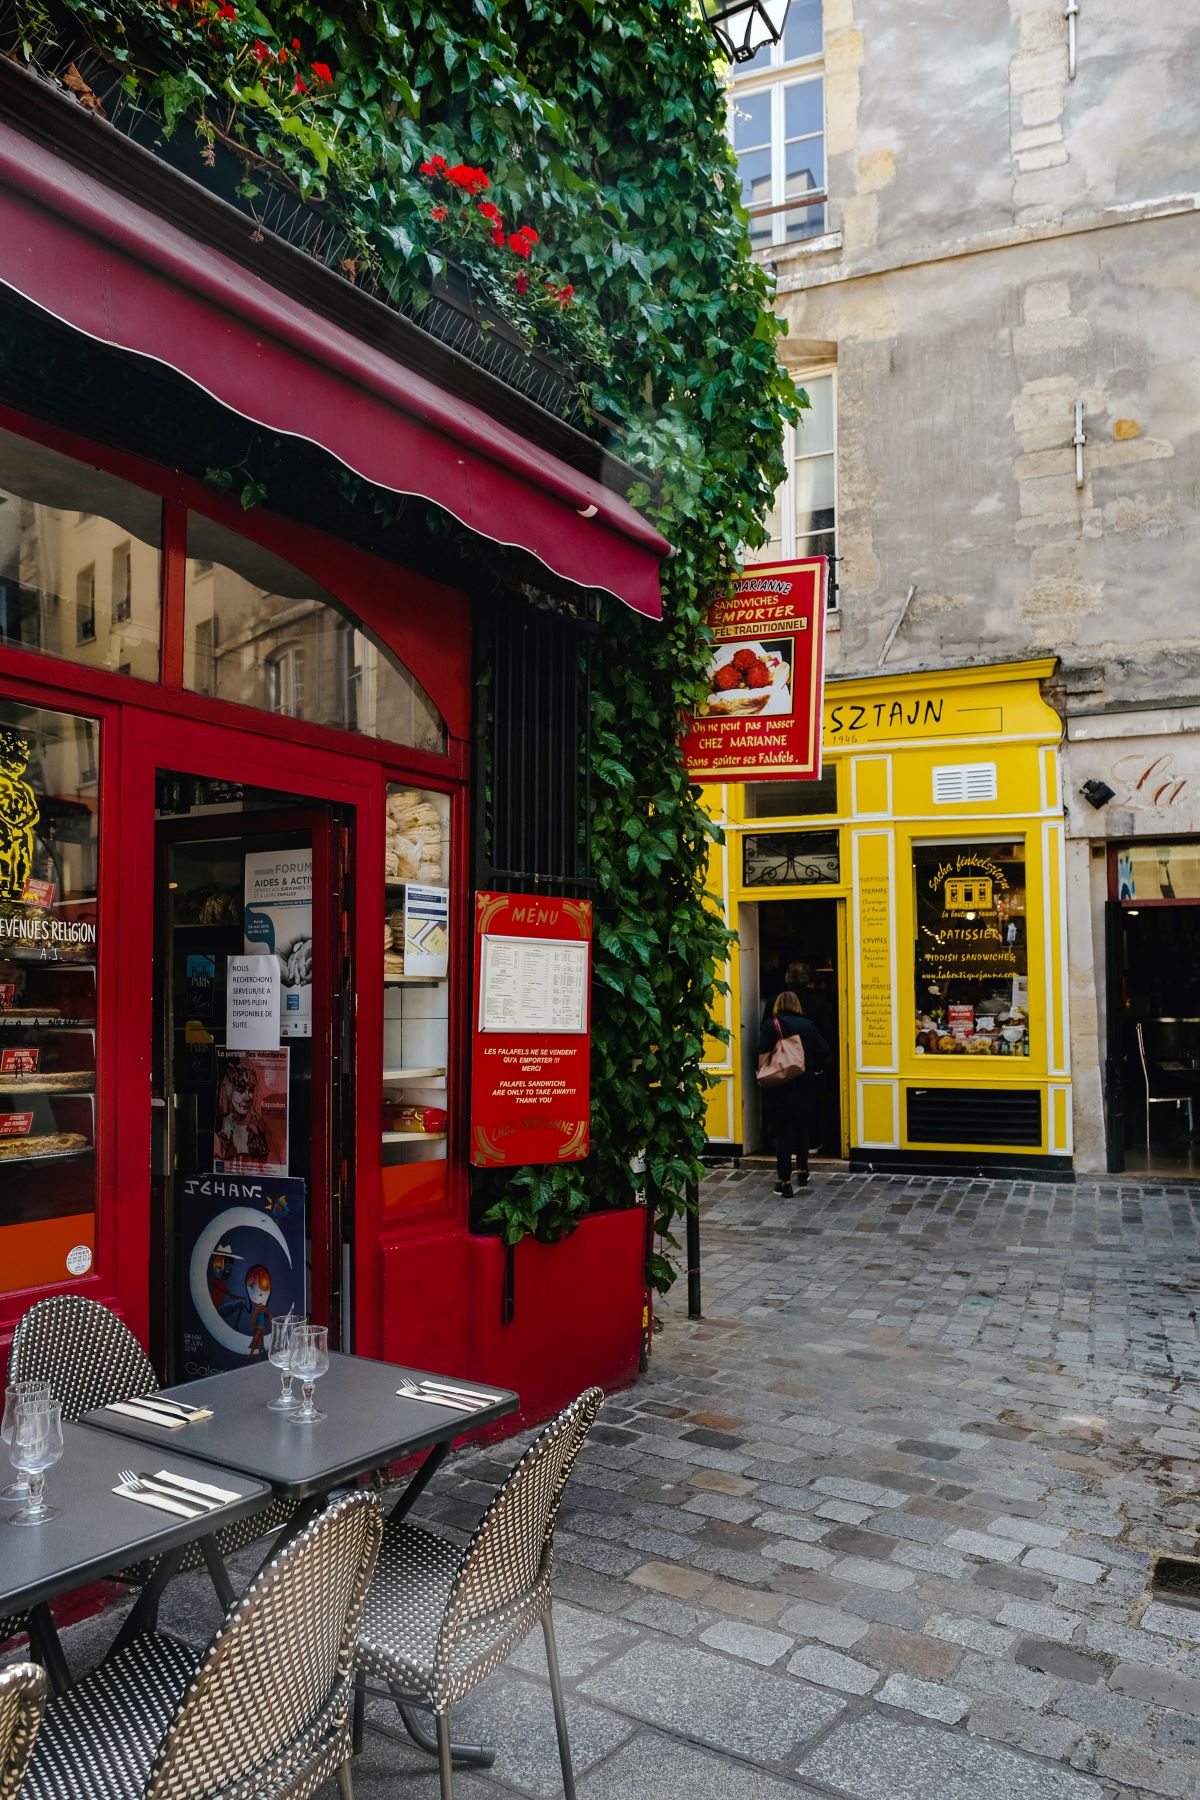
(131, 1479)
(409, 1386)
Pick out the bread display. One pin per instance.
(415, 846)
(50, 1143)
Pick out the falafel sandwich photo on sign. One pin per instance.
(761, 717)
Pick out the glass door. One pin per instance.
(250, 1069)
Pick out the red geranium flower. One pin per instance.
(301, 86)
(463, 176)
(226, 11)
(522, 283)
(497, 237)
(490, 212)
(295, 43)
(438, 214)
(527, 231)
(261, 53)
(520, 246)
(283, 52)
(323, 73)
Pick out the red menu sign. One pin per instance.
(761, 718)
(531, 1047)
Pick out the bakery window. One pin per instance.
(48, 949)
(416, 979)
(971, 953)
(79, 561)
(261, 632)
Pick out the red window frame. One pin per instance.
(427, 625)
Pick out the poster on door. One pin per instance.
(250, 1127)
(241, 1264)
(760, 719)
(278, 923)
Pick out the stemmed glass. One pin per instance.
(37, 1444)
(309, 1359)
(14, 1393)
(280, 1352)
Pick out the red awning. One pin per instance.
(127, 277)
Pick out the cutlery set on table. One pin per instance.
(156, 1409)
(446, 1394)
(179, 1494)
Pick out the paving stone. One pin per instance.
(806, 1620)
(751, 1642)
(1129, 1644)
(828, 1667)
(880, 1759)
(1061, 1660)
(1006, 1723)
(1021, 1582)
(863, 1573)
(662, 1614)
(925, 1697)
(795, 1555)
(744, 1603)
(1039, 1621)
(721, 1506)
(748, 1712)
(1177, 1732)
(972, 1634)
(517, 1716)
(793, 1525)
(669, 1578)
(583, 1640)
(928, 1657)
(1172, 1621)
(840, 1488)
(884, 1609)
(846, 1512)
(1104, 1711)
(983, 1544)
(720, 1482)
(1027, 1531)
(1157, 1686)
(1065, 1568)
(651, 1765)
(851, 1541)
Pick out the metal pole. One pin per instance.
(693, 1250)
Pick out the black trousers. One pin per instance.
(790, 1120)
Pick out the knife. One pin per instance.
(222, 1496)
(200, 1501)
(460, 1393)
(189, 1412)
(154, 1404)
(161, 1502)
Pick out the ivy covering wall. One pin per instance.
(594, 131)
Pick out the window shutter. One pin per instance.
(956, 783)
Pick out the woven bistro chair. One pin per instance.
(439, 1617)
(22, 1700)
(262, 1714)
(92, 1358)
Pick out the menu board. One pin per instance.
(533, 985)
(530, 1057)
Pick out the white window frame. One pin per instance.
(793, 438)
(775, 81)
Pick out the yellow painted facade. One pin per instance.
(946, 783)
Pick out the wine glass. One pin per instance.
(37, 1444)
(279, 1352)
(309, 1359)
(13, 1394)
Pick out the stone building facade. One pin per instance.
(1001, 255)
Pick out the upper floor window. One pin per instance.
(803, 519)
(777, 113)
(285, 682)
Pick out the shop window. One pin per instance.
(790, 858)
(48, 950)
(416, 970)
(1149, 872)
(972, 974)
(79, 561)
(261, 632)
(802, 522)
(791, 799)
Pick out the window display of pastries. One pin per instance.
(414, 847)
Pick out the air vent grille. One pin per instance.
(975, 1116)
(955, 783)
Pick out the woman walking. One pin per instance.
(787, 1108)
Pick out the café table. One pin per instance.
(97, 1532)
(369, 1425)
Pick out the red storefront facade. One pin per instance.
(187, 689)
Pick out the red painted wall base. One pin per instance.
(577, 1317)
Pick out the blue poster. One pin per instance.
(241, 1262)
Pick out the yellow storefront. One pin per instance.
(922, 881)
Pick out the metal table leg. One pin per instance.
(420, 1481)
(218, 1574)
(47, 1648)
(144, 1616)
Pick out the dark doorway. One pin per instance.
(1153, 1065)
(806, 931)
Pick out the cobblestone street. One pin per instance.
(881, 1525)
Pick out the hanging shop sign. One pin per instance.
(242, 1239)
(531, 1051)
(761, 718)
(278, 922)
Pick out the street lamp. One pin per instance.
(744, 27)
